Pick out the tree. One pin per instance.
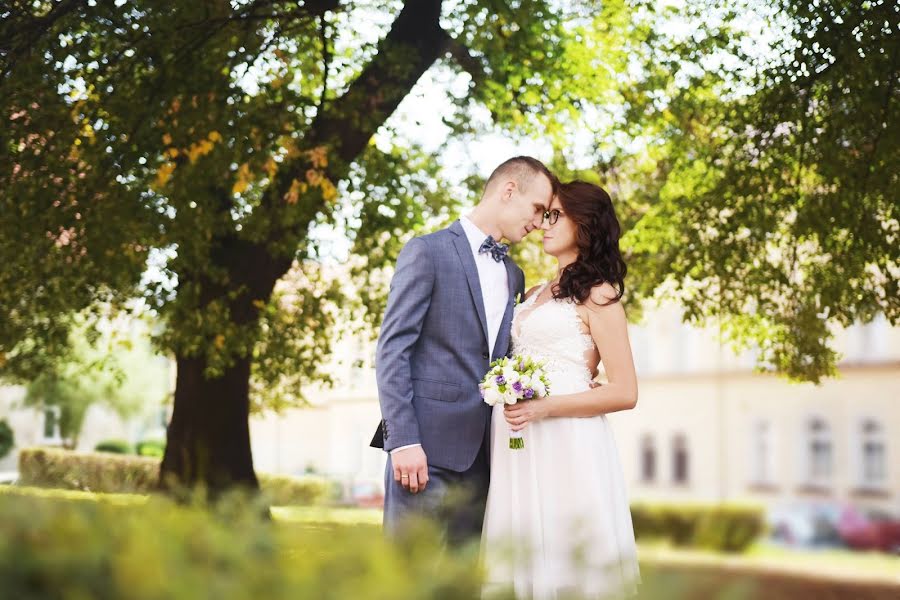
(772, 204)
(213, 139)
(755, 163)
(218, 133)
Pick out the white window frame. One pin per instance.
(762, 463)
(860, 438)
(810, 438)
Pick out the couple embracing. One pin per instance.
(553, 517)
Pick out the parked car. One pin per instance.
(806, 524)
(869, 530)
(367, 494)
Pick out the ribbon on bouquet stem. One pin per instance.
(516, 441)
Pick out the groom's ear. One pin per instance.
(507, 191)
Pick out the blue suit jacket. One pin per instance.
(433, 350)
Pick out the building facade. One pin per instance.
(706, 427)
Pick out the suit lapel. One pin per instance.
(510, 276)
(471, 270)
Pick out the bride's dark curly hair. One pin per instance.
(597, 232)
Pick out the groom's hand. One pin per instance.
(411, 468)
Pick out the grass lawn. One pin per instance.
(328, 515)
(58, 494)
(833, 565)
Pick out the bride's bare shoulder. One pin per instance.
(603, 295)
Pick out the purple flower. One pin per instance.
(500, 380)
(481, 391)
(529, 393)
(517, 386)
(522, 366)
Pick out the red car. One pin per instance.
(872, 531)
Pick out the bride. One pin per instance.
(557, 522)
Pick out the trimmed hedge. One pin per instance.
(722, 527)
(87, 471)
(111, 473)
(114, 447)
(154, 448)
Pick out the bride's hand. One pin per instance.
(522, 413)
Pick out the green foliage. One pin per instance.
(767, 196)
(114, 369)
(54, 547)
(96, 545)
(151, 448)
(725, 528)
(7, 438)
(110, 473)
(288, 355)
(157, 146)
(394, 195)
(114, 447)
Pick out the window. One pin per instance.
(762, 453)
(51, 424)
(648, 459)
(873, 453)
(680, 466)
(819, 450)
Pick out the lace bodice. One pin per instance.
(553, 332)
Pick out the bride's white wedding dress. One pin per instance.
(557, 523)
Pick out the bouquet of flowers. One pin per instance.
(511, 380)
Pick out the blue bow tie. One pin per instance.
(497, 250)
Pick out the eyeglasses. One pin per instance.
(552, 216)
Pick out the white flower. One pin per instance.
(539, 389)
(511, 375)
(525, 380)
(492, 395)
(510, 396)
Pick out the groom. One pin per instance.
(448, 316)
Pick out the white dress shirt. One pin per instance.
(492, 277)
(494, 286)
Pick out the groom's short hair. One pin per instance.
(522, 170)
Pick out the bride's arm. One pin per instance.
(609, 330)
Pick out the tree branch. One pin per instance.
(26, 35)
(307, 10)
(465, 59)
(345, 125)
(409, 49)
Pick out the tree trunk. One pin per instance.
(209, 435)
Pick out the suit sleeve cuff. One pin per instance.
(404, 447)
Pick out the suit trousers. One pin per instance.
(453, 501)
